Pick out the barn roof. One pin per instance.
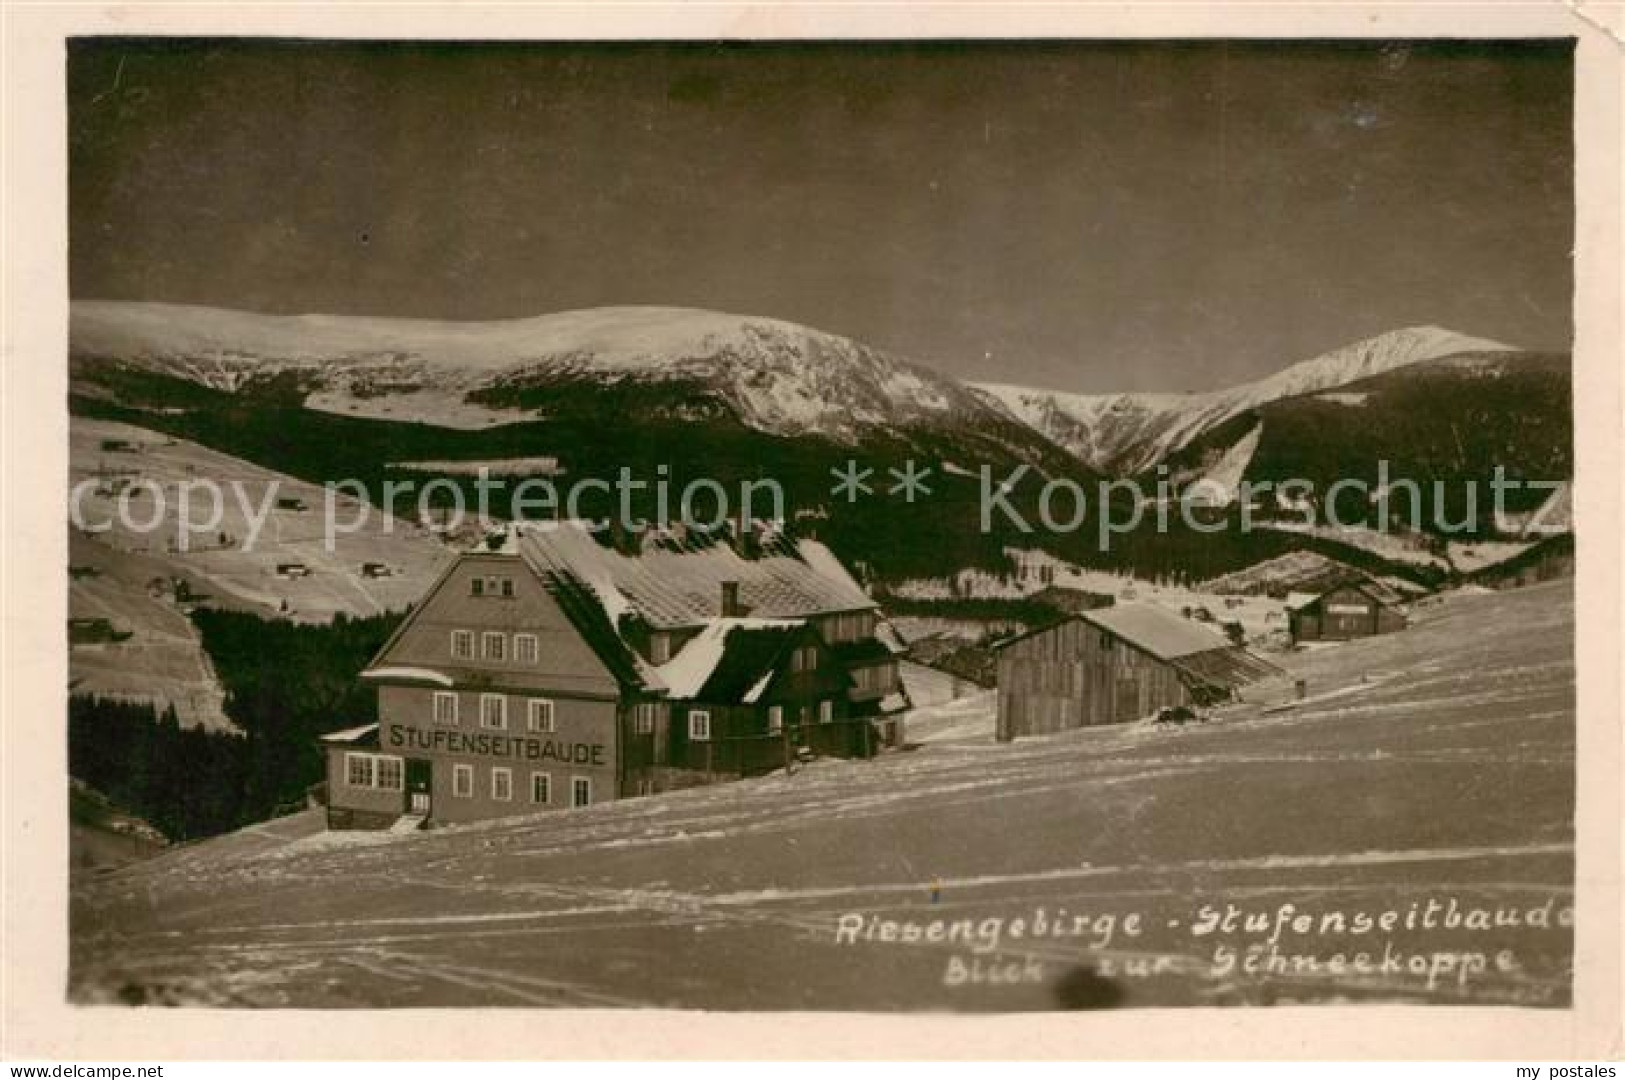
(1200, 656)
(679, 584)
(1552, 546)
(1232, 667)
(1157, 630)
(1371, 587)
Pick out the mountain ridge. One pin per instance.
(780, 377)
(685, 365)
(1131, 432)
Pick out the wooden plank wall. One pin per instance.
(1073, 675)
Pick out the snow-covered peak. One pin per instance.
(1363, 359)
(1132, 432)
(777, 376)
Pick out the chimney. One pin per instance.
(746, 540)
(730, 600)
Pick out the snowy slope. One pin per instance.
(1128, 433)
(1396, 771)
(776, 377)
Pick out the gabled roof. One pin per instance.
(731, 660)
(1559, 545)
(1199, 655)
(1231, 667)
(855, 654)
(1371, 587)
(1156, 630)
(673, 584)
(587, 615)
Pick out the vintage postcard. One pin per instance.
(757, 518)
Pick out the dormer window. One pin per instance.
(659, 648)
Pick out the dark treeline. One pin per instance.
(286, 683)
(185, 781)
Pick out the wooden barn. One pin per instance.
(1115, 665)
(1350, 609)
(1546, 561)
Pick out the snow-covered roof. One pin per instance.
(1297, 601)
(673, 584)
(351, 735)
(416, 674)
(1156, 630)
(686, 674)
(893, 702)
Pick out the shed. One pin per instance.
(1547, 560)
(1115, 665)
(1350, 609)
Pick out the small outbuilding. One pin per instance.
(1350, 609)
(1547, 560)
(1115, 665)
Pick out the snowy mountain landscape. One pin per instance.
(932, 532)
(772, 376)
(1130, 433)
(672, 364)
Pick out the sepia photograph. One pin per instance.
(909, 526)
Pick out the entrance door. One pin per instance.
(1126, 706)
(419, 783)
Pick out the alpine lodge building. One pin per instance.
(565, 666)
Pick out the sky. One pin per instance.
(1080, 216)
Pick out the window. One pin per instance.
(644, 716)
(1105, 642)
(358, 770)
(491, 585)
(389, 773)
(826, 712)
(805, 658)
(462, 644)
(502, 784)
(580, 791)
(775, 719)
(541, 788)
(699, 726)
(851, 626)
(876, 679)
(659, 649)
(539, 715)
(445, 707)
(462, 781)
(378, 771)
(524, 648)
(493, 711)
(494, 645)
